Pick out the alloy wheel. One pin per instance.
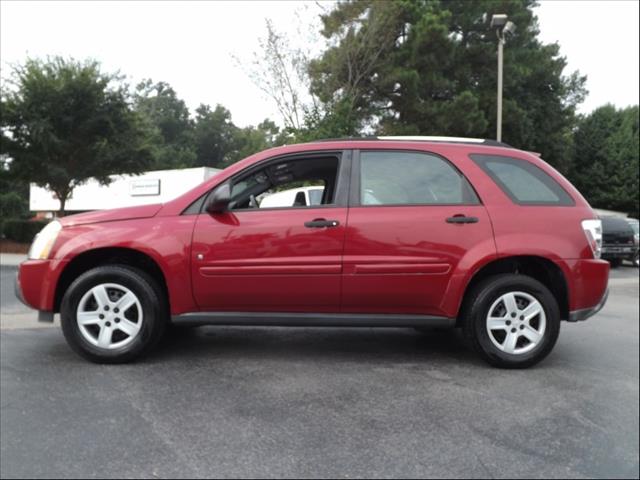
(109, 316)
(516, 323)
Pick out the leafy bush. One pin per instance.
(13, 205)
(21, 231)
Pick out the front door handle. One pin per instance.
(460, 218)
(321, 223)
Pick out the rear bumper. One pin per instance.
(584, 313)
(588, 282)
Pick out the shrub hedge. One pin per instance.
(21, 231)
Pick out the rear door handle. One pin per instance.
(321, 223)
(462, 219)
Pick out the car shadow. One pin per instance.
(304, 344)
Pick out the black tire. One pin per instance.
(476, 309)
(152, 301)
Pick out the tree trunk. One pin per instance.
(62, 198)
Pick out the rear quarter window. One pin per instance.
(523, 182)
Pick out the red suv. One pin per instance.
(406, 232)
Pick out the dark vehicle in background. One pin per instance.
(618, 241)
(633, 222)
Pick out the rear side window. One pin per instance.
(411, 178)
(523, 182)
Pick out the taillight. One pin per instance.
(593, 231)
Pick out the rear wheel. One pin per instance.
(113, 314)
(512, 321)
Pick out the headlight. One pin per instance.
(42, 244)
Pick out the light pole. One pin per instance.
(503, 27)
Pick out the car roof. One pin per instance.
(420, 138)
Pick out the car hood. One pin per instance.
(98, 216)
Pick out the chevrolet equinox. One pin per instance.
(408, 232)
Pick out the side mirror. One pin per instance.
(219, 200)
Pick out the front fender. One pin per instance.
(167, 241)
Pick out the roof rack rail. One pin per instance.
(477, 141)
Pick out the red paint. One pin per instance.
(401, 259)
(126, 213)
(37, 280)
(271, 254)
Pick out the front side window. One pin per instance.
(286, 184)
(522, 181)
(411, 178)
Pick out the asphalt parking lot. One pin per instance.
(321, 402)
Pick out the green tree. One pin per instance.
(215, 136)
(429, 67)
(14, 194)
(65, 121)
(606, 159)
(168, 121)
(219, 142)
(250, 140)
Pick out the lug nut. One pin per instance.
(508, 322)
(521, 327)
(108, 324)
(521, 317)
(101, 317)
(116, 310)
(106, 307)
(513, 330)
(513, 315)
(117, 320)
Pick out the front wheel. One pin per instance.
(113, 314)
(512, 321)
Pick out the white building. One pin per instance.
(124, 191)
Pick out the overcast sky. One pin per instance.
(192, 45)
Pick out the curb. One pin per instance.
(12, 259)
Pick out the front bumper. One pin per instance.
(45, 317)
(35, 285)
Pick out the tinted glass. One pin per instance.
(522, 181)
(617, 225)
(283, 184)
(408, 178)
